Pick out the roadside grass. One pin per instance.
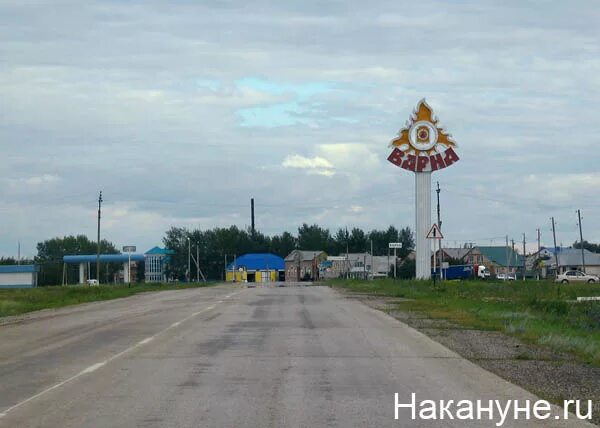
(540, 312)
(20, 301)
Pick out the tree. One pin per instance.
(407, 269)
(357, 242)
(314, 238)
(408, 242)
(594, 248)
(13, 261)
(340, 241)
(283, 244)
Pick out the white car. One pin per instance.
(576, 276)
(92, 282)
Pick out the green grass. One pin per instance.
(541, 312)
(19, 301)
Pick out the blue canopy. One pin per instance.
(104, 258)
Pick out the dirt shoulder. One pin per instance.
(550, 375)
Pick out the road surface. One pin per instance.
(229, 356)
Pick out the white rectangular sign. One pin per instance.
(129, 249)
(335, 258)
(395, 244)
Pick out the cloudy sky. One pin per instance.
(180, 112)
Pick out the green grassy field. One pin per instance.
(541, 312)
(19, 301)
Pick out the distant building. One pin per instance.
(457, 254)
(156, 261)
(303, 265)
(256, 267)
(356, 265)
(570, 259)
(18, 276)
(498, 259)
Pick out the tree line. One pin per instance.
(215, 246)
(218, 245)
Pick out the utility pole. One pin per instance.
(395, 263)
(439, 222)
(372, 267)
(539, 236)
(555, 249)
(225, 271)
(581, 241)
(512, 241)
(347, 260)
(197, 264)
(98, 241)
(189, 269)
(19, 254)
(524, 258)
(507, 260)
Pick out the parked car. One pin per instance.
(92, 282)
(576, 276)
(511, 276)
(502, 276)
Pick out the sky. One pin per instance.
(180, 112)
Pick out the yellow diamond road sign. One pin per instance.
(435, 233)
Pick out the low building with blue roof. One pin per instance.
(18, 276)
(256, 267)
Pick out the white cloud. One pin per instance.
(315, 165)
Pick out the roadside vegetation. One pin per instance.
(20, 301)
(539, 312)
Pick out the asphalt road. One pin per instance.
(232, 357)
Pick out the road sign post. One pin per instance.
(395, 246)
(129, 249)
(434, 233)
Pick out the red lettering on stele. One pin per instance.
(423, 146)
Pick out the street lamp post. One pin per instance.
(189, 266)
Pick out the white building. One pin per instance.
(18, 276)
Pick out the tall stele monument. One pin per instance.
(423, 147)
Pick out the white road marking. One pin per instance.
(96, 366)
(146, 340)
(92, 368)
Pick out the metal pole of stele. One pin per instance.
(423, 147)
(129, 249)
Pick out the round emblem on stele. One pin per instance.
(423, 135)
